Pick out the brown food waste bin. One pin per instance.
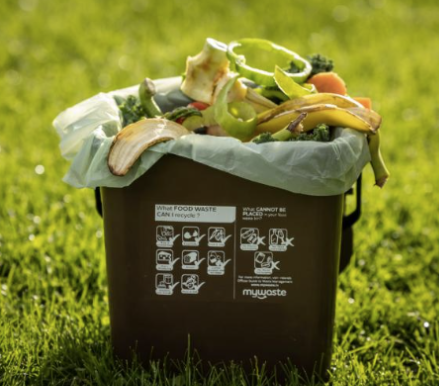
(244, 269)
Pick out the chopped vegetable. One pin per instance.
(328, 82)
(193, 122)
(294, 69)
(264, 138)
(310, 87)
(240, 120)
(206, 119)
(131, 109)
(320, 134)
(274, 94)
(278, 55)
(320, 64)
(146, 93)
(180, 113)
(288, 86)
(366, 102)
(198, 105)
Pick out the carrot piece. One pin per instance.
(366, 102)
(328, 82)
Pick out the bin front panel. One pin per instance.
(243, 268)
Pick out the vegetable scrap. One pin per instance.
(328, 82)
(319, 64)
(255, 91)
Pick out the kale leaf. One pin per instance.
(131, 109)
(320, 134)
(264, 138)
(320, 63)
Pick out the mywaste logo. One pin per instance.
(263, 293)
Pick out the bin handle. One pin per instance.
(350, 219)
(98, 201)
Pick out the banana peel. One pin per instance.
(379, 167)
(370, 116)
(129, 144)
(309, 100)
(351, 116)
(329, 114)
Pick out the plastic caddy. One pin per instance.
(236, 245)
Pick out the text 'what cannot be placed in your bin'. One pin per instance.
(215, 245)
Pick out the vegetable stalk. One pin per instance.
(280, 54)
(146, 94)
(238, 119)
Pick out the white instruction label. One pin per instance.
(216, 262)
(190, 284)
(191, 236)
(164, 284)
(191, 259)
(165, 236)
(264, 263)
(165, 260)
(216, 253)
(250, 239)
(195, 213)
(217, 237)
(279, 240)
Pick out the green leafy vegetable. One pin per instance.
(146, 95)
(239, 51)
(320, 64)
(288, 86)
(131, 109)
(320, 134)
(272, 93)
(238, 119)
(264, 138)
(205, 118)
(294, 68)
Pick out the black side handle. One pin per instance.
(347, 238)
(350, 219)
(98, 201)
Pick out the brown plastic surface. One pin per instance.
(294, 321)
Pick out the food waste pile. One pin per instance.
(252, 90)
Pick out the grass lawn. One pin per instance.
(54, 323)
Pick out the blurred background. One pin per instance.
(53, 54)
